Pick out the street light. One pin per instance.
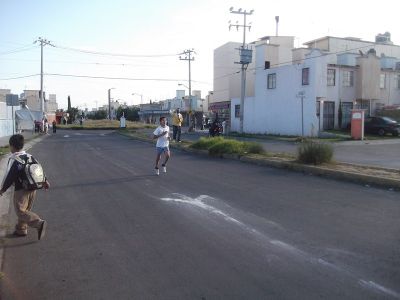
(302, 95)
(109, 102)
(141, 97)
(183, 85)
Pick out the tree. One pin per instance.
(98, 115)
(71, 117)
(130, 113)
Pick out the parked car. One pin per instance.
(381, 126)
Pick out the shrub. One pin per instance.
(205, 143)
(227, 147)
(314, 153)
(219, 145)
(254, 148)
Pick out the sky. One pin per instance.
(151, 34)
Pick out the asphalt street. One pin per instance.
(207, 229)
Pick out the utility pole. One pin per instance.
(109, 103)
(189, 58)
(245, 58)
(42, 42)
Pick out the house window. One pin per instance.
(267, 65)
(382, 81)
(305, 76)
(237, 111)
(272, 81)
(348, 78)
(331, 77)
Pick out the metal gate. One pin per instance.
(346, 114)
(329, 115)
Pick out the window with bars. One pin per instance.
(271, 81)
(348, 78)
(305, 76)
(237, 111)
(331, 77)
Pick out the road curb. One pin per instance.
(5, 200)
(324, 171)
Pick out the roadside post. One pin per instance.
(12, 100)
(122, 121)
(357, 124)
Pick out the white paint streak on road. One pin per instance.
(374, 286)
(199, 202)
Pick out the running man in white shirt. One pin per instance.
(162, 135)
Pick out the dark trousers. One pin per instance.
(176, 132)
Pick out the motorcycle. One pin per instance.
(215, 129)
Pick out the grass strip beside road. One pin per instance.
(105, 125)
(3, 151)
(376, 176)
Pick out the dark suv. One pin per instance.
(381, 126)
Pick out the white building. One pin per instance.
(6, 115)
(227, 77)
(335, 77)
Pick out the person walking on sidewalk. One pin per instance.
(54, 126)
(162, 135)
(177, 120)
(23, 198)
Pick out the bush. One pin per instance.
(254, 148)
(314, 153)
(205, 143)
(227, 147)
(219, 145)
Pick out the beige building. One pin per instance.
(3, 93)
(31, 98)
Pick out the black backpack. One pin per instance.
(33, 177)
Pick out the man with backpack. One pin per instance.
(27, 175)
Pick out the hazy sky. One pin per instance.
(160, 30)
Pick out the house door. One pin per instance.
(346, 114)
(329, 115)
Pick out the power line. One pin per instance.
(113, 54)
(112, 78)
(20, 49)
(25, 76)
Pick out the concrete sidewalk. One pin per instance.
(5, 200)
(28, 135)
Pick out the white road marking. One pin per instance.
(375, 286)
(199, 202)
(66, 136)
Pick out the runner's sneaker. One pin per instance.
(164, 168)
(42, 230)
(157, 171)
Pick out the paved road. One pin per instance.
(208, 229)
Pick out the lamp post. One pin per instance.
(141, 97)
(302, 95)
(109, 103)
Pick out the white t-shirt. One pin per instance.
(162, 141)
